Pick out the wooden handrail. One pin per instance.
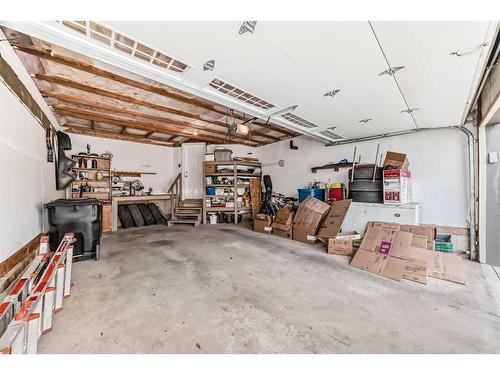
(175, 191)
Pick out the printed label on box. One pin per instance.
(385, 247)
(268, 229)
(312, 238)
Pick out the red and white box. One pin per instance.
(397, 186)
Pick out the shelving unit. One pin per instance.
(234, 186)
(103, 165)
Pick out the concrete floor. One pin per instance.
(226, 289)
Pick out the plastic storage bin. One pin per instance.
(222, 154)
(316, 193)
(81, 217)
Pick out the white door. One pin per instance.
(193, 155)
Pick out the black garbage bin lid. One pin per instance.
(73, 202)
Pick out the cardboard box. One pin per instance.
(283, 220)
(397, 186)
(343, 244)
(284, 233)
(262, 224)
(210, 168)
(396, 160)
(419, 241)
(383, 252)
(333, 222)
(383, 225)
(308, 219)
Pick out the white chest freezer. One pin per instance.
(360, 213)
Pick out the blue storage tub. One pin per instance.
(210, 191)
(316, 193)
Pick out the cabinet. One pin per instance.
(360, 213)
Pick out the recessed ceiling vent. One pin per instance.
(117, 41)
(330, 134)
(239, 94)
(294, 119)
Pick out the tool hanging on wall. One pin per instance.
(49, 138)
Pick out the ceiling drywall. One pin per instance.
(296, 63)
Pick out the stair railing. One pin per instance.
(175, 191)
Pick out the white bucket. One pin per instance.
(213, 219)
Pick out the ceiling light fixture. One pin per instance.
(209, 65)
(247, 27)
(409, 110)
(364, 121)
(332, 93)
(391, 71)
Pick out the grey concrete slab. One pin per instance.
(226, 289)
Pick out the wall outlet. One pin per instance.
(492, 157)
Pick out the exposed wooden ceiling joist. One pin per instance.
(128, 99)
(147, 87)
(102, 133)
(114, 120)
(123, 110)
(165, 127)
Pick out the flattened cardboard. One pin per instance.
(334, 219)
(422, 230)
(383, 225)
(445, 266)
(391, 264)
(419, 241)
(416, 265)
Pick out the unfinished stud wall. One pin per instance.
(438, 162)
(27, 180)
(130, 156)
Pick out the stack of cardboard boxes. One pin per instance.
(397, 179)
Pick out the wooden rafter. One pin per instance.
(76, 64)
(128, 99)
(114, 120)
(123, 110)
(169, 128)
(85, 130)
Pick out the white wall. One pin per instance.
(131, 156)
(27, 180)
(438, 162)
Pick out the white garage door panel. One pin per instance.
(433, 80)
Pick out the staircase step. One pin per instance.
(188, 209)
(195, 222)
(195, 216)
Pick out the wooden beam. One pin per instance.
(150, 134)
(102, 117)
(77, 64)
(120, 110)
(101, 133)
(11, 79)
(125, 98)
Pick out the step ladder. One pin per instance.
(31, 302)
